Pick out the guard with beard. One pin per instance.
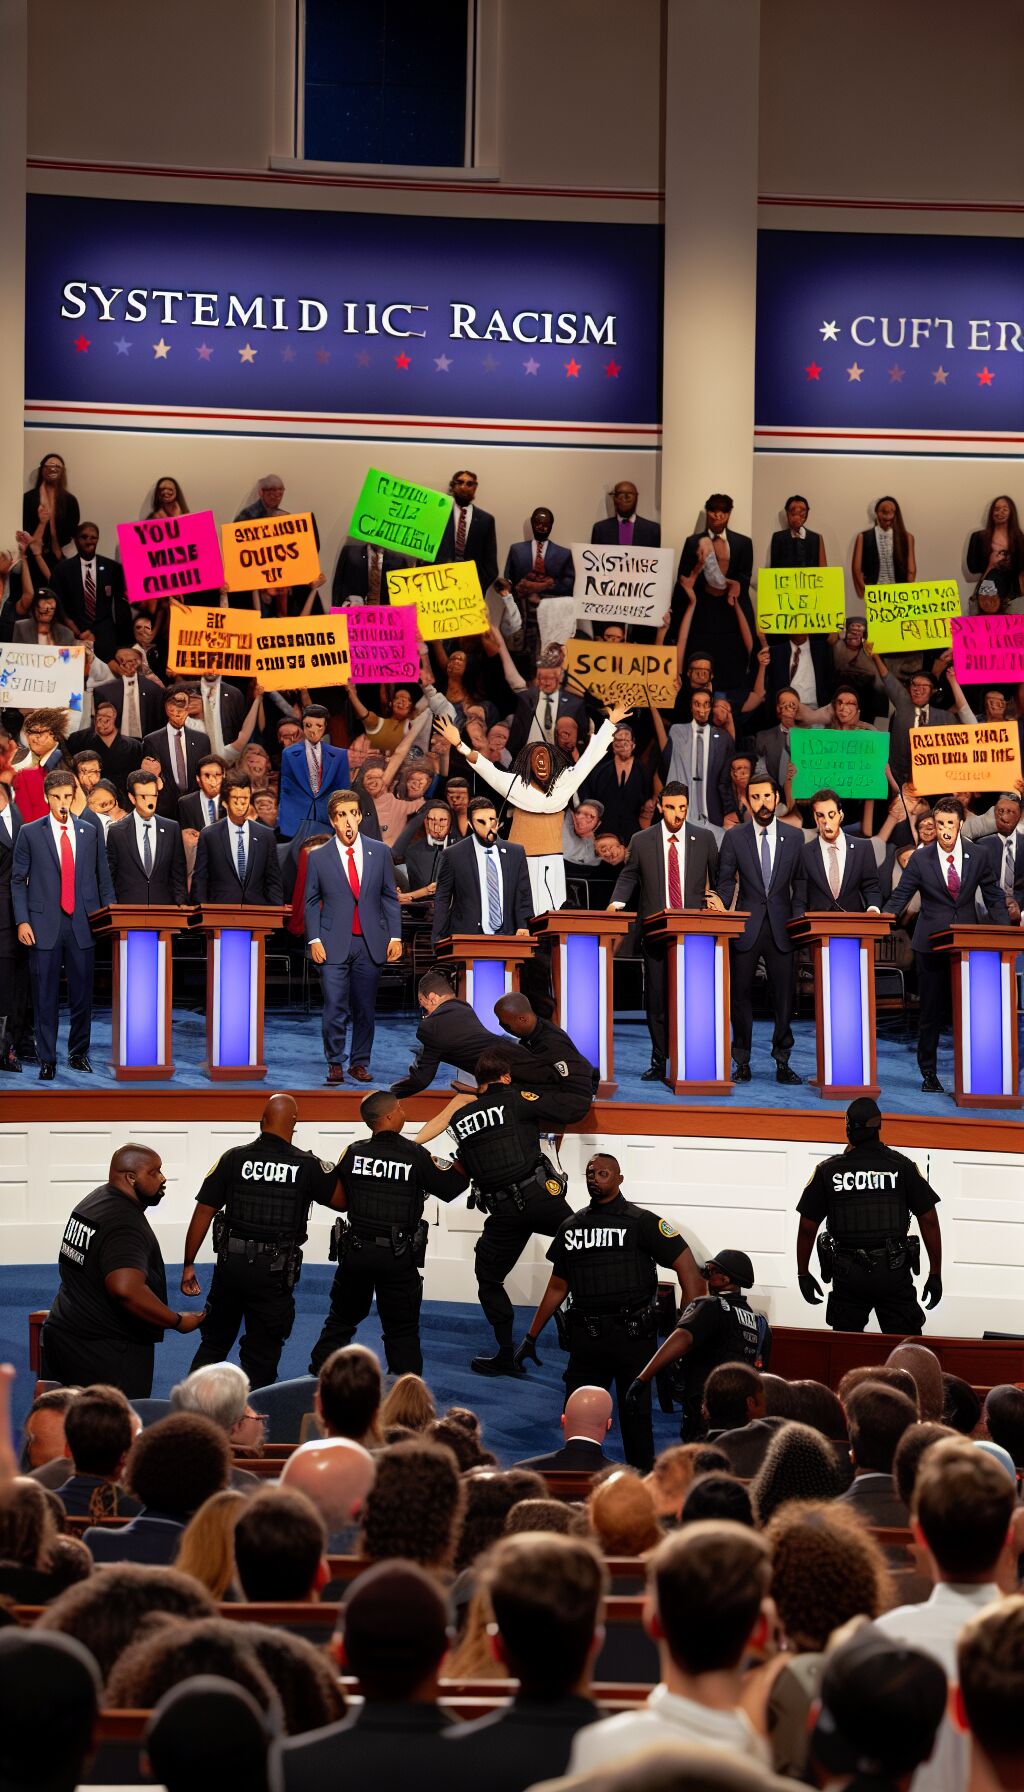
(606, 1260)
(571, 1095)
(718, 1327)
(111, 1308)
(380, 1250)
(498, 1142)
(866, 1196)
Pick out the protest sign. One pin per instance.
(556, 619)
(448, 598)
(623, 672)
(988, 647)
(293, 652)
(392, 513)
(382, 642)
(41, 677)
(618, 584)
(961, 757)
(170, 556)
(210, 641)
(903, 617)
(270, 551)
(850, 761)
(801, 600)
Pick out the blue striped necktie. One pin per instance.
(493, 892)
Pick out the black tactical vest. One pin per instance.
(268, 1199)
(607, 1267)
(866, 1199)
(382, 1191)
(496, 1145)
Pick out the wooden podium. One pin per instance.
(141, 936)
(843, 949)
(697, 993)
(983, 968)
(236, 948)
(584, 943)
(488, 965)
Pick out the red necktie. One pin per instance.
(67, 873)
(353, 878)
(90, 595)
(952, 878)
(538, 561)
(675, 888)
(460, 536)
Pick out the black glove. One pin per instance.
(528, 1348)
(636, 1395)
(810, 1289)
(931, 1294)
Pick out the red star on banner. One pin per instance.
(572, 369)
(402, 361)
(612, 370)
(82, 345)
(984, 377)
(813, 371)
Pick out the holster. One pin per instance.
(826, 1255)
(914, 1254)
(562, 1325)
(220, 1236)
(419, 1244)
(292, 1266)
(341, 1241)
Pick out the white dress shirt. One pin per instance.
(803, 681)
(667, 1717)
(173, 735)
(131, 708)
(233, 832)
(467, 511)
(357, 853)
(7, 823)
(210, 694)
(140, 827)
(680, 840)
(826, 854)
(481, 866)
(772, 830)
(56, 830)
(957, 856)
(699, 731)
(886, 564)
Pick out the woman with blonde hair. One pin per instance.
(409, 1403)
(622, 1514)
(207, 1547)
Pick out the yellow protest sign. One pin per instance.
(623, 672)
(961, 757)
(270, 551)
(210, 641)
(448, 598)
(292, 652)
(901, 618)
(801, 600)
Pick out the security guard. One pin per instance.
(111, 1308)
(570, 1095)
(718, 1327)
(265, 1190)
(866, 1196)
(498, 1142)
(380, 1250)
(606, 1259)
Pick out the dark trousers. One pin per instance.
(615, 1358)
(370, 1269)
(350, 993)
(258, 1296)
(79, 1362)
(655, 992)
(498, 1249)
(890, 1293)
(13, 994)
(780, 968)
(559, 1108)
(935, 994)
(45, 965)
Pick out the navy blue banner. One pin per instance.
(890, 333)
(284, 312)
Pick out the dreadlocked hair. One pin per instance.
(521, 764)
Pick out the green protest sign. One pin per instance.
(850, 761)
(392, 513)
(801, 600)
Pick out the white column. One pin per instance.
(711, 156)
(13, 143)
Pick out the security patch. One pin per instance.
(562, 1067)
(553, 1186)
(529, 1095)
(325, 1166)
(667, 1230)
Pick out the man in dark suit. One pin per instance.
(178, 749)
(772, 745)
(836, 871)
(947, 876)
(59, 877)
(236, 859)
(422, 844)
(699, 755)
(796, 545)
(13, 963)
(1005, 848)
(586, 1422)
(670, 865)
(877, 1417)
(540, 707)
(537, 569)
(802, 663)
(450, 1033)
(311, 771)
(223, 711)
(469, 533)
(118, 753)
(763, 858)
(353, 926)
(139, 700)
(202, 808)
(91, 591)
(483, 884)
(624, 528)
(721, 558)
(362, 571)
(147, 858)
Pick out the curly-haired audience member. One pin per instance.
(414, 1509)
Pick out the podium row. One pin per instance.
(582, 943)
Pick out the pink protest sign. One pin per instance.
(987, 647)
(171, 556)
(382, 642)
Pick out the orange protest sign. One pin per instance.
(985, 756)
(292, 652)
(210, 641)
(270, 551)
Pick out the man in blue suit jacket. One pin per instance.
(353, 925)
(765, 858)
(52, 909)
(947, 877)
(310, 771)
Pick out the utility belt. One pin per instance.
(636, 1322)
(286, 1256)
(348, 1239)
(543, 1179)
(891, 1255)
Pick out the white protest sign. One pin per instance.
(41, 677)
(619, 584)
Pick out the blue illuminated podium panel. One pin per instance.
(983, 963)
(843, 954)
(141, 941)
(235, 970)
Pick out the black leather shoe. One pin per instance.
(80, 1061)
(47, 1072)
(656, 1074)
(930, 1084)
(503, 1363)
(783, 1074)
(741, 1073)
(27, 1050)
(10, 1062)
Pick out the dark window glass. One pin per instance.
(385, 81)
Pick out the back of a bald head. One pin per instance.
(924, 1366)
(513, 1003)
(280, 1116)
(587, 1414)
(336, 1474)
(128, 1160)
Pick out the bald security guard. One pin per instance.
(257, 1198)
(718, 1327)
(111, 1308)
(570, 1096)
(607, 1259)
(866, 1196)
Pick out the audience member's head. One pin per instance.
(207, 1547)
(990, 1656)
(44, 1439)
(207, 1734)
(336, 1474)
(49, 1702)
(174, 1465)
(707, 1596)
(588, 1413)
(910, 1453)
(414, 1509)
(28, 1527)
(886, 1376)
(303, 1677)
(465, 1445)
(717, 1496)
(280, 1539)
(348, 1394)
(107, 1611)
(881, 1706)
(733, 1396)
(409, 1403)
(798, 1465)
(70, 1562)
(622, 1514)
(490, 1495)
(1004, 1419)
(963, 1510)
(545, 1515)
(99, 1429)
(924, 1366)
(826, 1569)
(172, 1650)
(813, 1404)
(961, 1407)
(219, 1391)
(545, 1595)
(877, 1417)
(393, 1633)
(671, 1478)
(776, 1396)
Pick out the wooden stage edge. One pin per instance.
(718, 1120)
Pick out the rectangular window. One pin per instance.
(386, 81)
